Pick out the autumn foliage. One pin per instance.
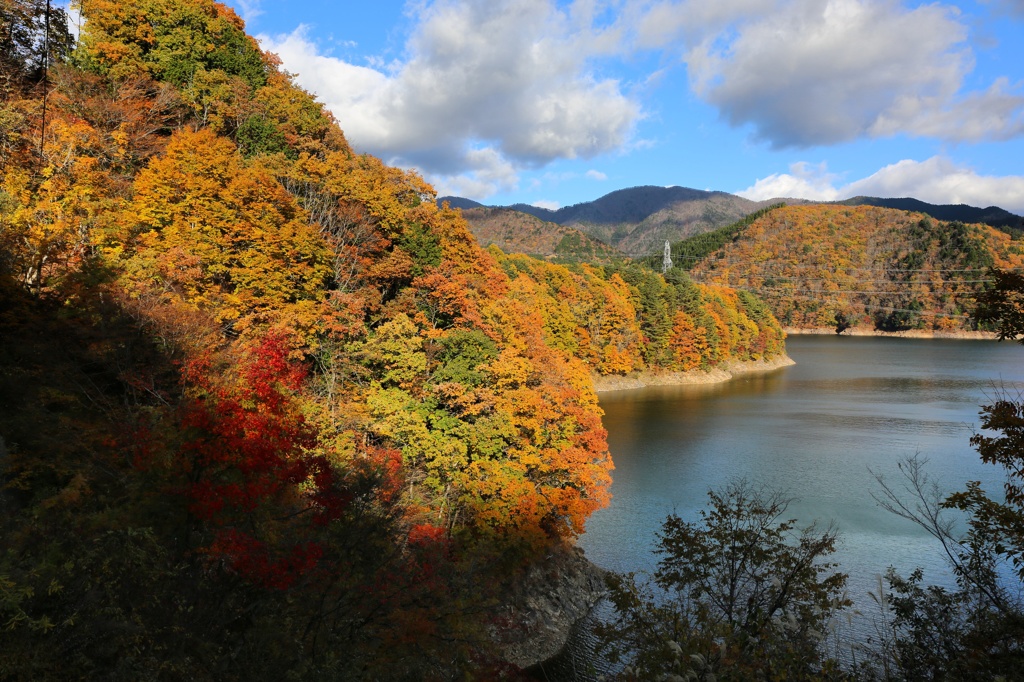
(622, 318)
(266, 410)
(827, 266)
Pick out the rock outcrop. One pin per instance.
(544, 603)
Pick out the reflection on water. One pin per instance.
(817, 430)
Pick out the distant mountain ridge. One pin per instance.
(992, 215)
(638, 220)
(460, 202)
(515, 231)
(631, 205)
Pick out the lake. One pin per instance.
(815, 430)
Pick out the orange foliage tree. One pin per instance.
(223, 237)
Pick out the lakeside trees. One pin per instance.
(925, 632)
(977, 630)
(623, 317)
(266, 410)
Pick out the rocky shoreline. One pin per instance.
(731, 370)
(907, 334)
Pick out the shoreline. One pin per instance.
(717, 375)
(906, 334)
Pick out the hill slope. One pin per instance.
(266, 410)
(516, 232)
(992, 215)
(828, 266)
(638, 220)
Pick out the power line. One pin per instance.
(901, 288)
(811, 266)
(915, 282)
(849, 291)
(889, 309)
(713, 263)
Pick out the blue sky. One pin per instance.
(556, 102)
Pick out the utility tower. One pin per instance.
(666, 262)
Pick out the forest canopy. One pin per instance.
(266, 410)
(834, 266)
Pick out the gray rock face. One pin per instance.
(545, 603)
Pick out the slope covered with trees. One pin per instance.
(638, 220)
(991, 215)
(620, 318)
(828, 266)
(517, 232)
(266, 410)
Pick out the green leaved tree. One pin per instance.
(743, 594)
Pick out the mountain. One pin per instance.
(835, 266)
(638, 220)
(516, 232)
(992, 215)
(632, 205)
(459, 202)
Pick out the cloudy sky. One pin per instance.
(553, 102)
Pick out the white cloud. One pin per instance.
(940, 181)
(813, 72)
(690, 21)
(596, 175)
(249, 9)
(937, 180)
(804, 181)
(549, 205)
(512, 76)
(484, 173)
(489, 88)
(997, 113)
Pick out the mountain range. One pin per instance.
(636, 221)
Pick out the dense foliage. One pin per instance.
(827, 266)
(266, 410)
(619, 318)
(742, 595)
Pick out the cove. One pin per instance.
(816, 430)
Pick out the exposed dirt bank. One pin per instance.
(908, 334)
(714, 376)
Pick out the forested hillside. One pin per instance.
(517, 232)
(992, 215)
(829, 266)
(266, 411)
(620, 318)
(638, 220)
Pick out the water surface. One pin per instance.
(816, 430)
